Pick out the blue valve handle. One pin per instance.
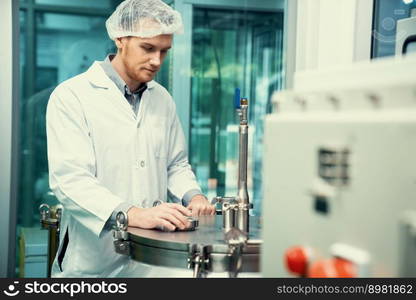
(237, 98)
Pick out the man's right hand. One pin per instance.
(166, 215)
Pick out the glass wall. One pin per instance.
(231, 49)
(66, 45)
(386, 15)
(54, 46)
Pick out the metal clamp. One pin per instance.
(120, 234)
(194, 222)
(235, 213)
(50, 217)
(157, 202)
(58, 213)
(236, 240)
(198, 260)
(122, 221)
(44, 211)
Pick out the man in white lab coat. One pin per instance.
(115, 143)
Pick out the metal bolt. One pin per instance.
(122, 246)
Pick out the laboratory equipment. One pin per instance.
(50, 218)
(228, 243)
(236, 210)
(192, 221)
(204, 250)
(340, 173)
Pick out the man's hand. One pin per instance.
(166, 215)
(199, 205)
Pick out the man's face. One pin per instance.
(143, 57)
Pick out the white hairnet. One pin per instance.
(143, 18)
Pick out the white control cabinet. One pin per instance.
(340, 169)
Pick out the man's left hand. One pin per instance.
(199, 205)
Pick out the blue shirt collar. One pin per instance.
(116, 78)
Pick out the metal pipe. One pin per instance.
(236, 210)
(228, 215)
(242, 165)
(242, 211)
(242, 217)
(53, 244)
(243, 153)
(50, 220)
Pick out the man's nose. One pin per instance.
(156, 60)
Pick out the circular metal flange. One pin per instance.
(171, 249)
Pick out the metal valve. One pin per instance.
(198, 260)
(236, 240)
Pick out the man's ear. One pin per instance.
(120, 43)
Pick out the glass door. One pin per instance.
(58, 40)
(231, 48)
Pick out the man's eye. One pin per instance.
(147, 48)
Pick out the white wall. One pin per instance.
(332, 32)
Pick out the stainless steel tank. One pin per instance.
(204, 250)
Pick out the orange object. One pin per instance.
(297, 260)
(332, 268)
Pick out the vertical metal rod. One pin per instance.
(242, 165)
(53, 242)
(236, 210)
(242, 213)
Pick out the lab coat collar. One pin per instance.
(98, 78)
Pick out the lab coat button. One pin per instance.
(144, 203)
(142, 164)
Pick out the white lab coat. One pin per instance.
(100, 154)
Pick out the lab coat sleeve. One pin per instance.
(72, 166)
(181, 179)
